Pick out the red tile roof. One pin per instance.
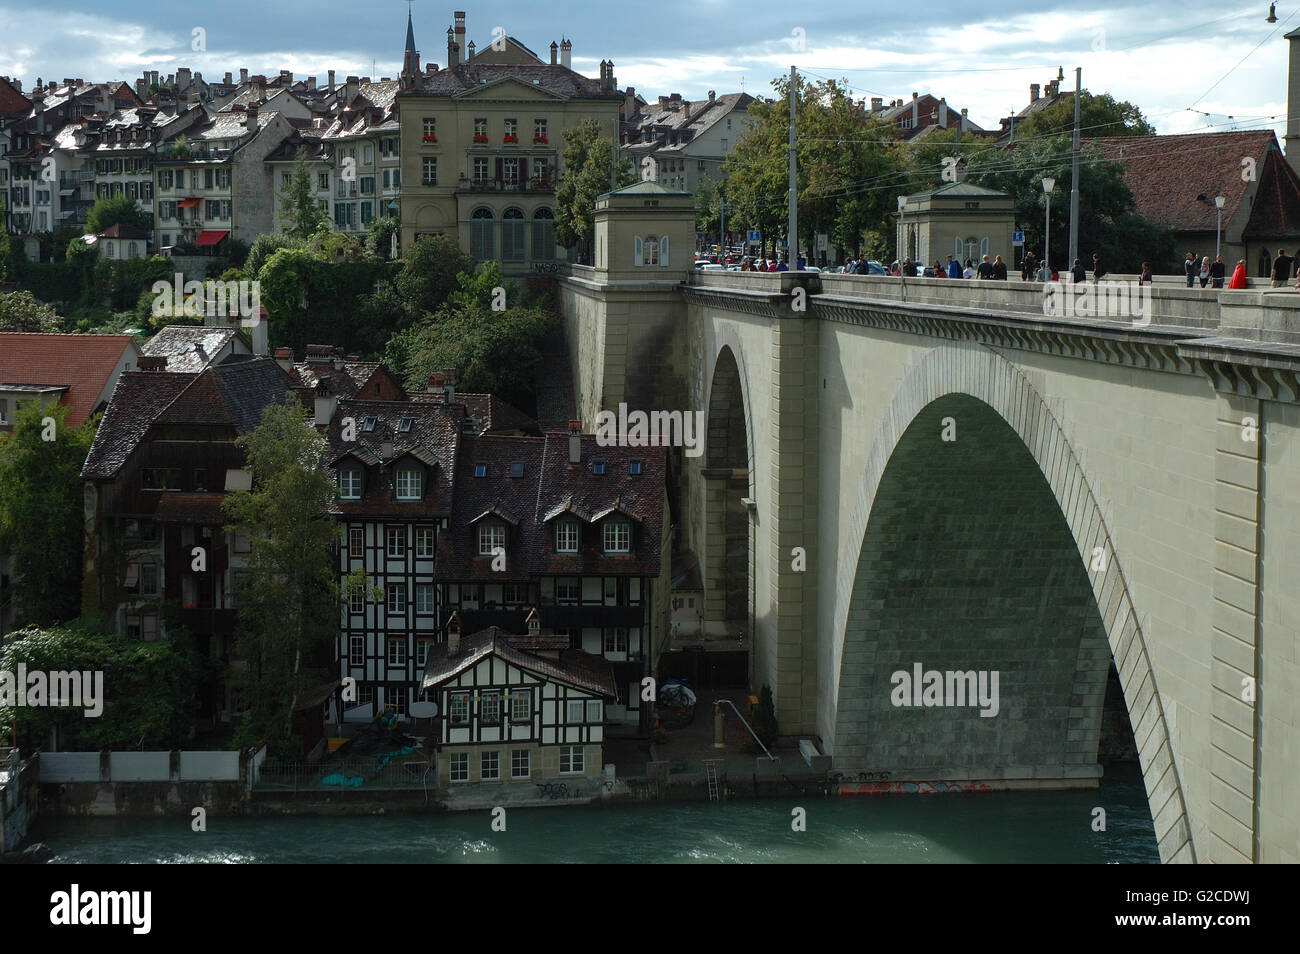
(82, 363)
(1167, 173)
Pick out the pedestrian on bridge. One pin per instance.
(1189, 268)
(969, 271)
(1205, 270)
(1281, 269)
(1216, 271)
(1238, 279)
(986, 268)
(954, 269)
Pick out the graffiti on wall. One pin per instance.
(911, 788)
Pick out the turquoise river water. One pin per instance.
(992, 827)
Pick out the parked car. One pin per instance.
(874, 268)
(710, 267)
(701, 262)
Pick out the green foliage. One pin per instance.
(20, 311)
(288, 603)
(495, 352)
(178, 148)
(379, 237)
(117, 210)
(430, 272)
(586, 160)
(765, 725)
(41, 511)
(264, 246)
(149, 688)
(1098, 116)
(300, 210)
(5, 253)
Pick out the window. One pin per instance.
(430, 129)
(510, 171)
(460, 767)
(512, 236)
(480, 127)
(650, 251)
(481, 226)
(387, 178)
(480, 470)
(397, 652)
(480, 168)
(489, 708)
(284, 179)
(458, 708)
(160, 478)
(424, 541)
(489, 766)
(357, 600)
(356, 650)
(409, 483)
(367, 185)
(543, 235)
(323, 181)
(617, 536)
(514, 594)
(520, 764)
(542, 170)
(567, 589)
(405, 424)
(566, 536)
(575, 711)
(396, 597)
(430, 167)
(490, 536)
(396, 540)
(570, 760)
(593, 710)
(512, 127)
(369, 424)
(615, 640)
(517, 469)
(634, 467)
(142, 627)
(598, 467)
(424, 597)
(422, 652)
(521, 705)
(367, 213)
(539, 128)
(356, 541)
(365, 695)
(142, 579)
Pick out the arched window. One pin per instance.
(543, 235)
(984, 246)
(663, 250)
(109, 249)
(972, 251)
(512, 236)
(481, 224)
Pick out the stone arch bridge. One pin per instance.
(937, 475)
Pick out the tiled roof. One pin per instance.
(1167, 173)
(205, 509)
(12, 102)
(189, 347)
(83, 363)
(574, 667)
(345, 381)
(231, 394)
(138, 398)
(555, 79)
(490, 414)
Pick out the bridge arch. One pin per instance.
(1011, 439)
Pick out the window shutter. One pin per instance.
(636, 250)
(523, 168)
(500, 169)
(663, 250)
(956, 244)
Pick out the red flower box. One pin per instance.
(511, 138)
(480, 137)
(430, 138)
(539, 140)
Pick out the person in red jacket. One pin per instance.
(1238, 279)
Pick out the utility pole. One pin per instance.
(722, 227)
(613, 160)
(1074, 172)
(793, 238)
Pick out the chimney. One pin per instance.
(435, 383)
(453, 51)
(877, 104)
(575, 442)
(449, 385)
(566, 53)
(351, 89)
(534, 622)
(469, 53)
(554, 52)
(943, 113)
(453, 635)
(147, 362)
(284, 358)
(226, 80)
(611, 81)
(141, 87)
(252, 115)
(243, 75)
(713, 98)
(183, 77)
(963, 119)
(311, 82)
(325, 402)
(258, 329)
(1033, 92)
(916, 105)
(629, 102)
(331, 81)
(286, 77)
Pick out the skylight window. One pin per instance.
(517, 469)
(480, 470)
(368, 424)
(598, 467)
(404, 426)
(634, 467)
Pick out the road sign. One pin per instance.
(755, 236)
(1017, 238)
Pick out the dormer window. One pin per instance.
(634, 467)
(517, 469)
(566, 536)
(598, 467)
(409, 483)
(491, 536)
(617, 536)
(368, 424)
(404, 426)
(480, 470)
(350, 483)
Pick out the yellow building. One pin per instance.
(481, 144)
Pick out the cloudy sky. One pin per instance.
(1177, 62)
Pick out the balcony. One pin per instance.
(546, 184)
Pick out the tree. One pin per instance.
(264, 246)
(41, 511)
(379, 237)
(299, 202)
(117, 210)
(430, 272)
(288, 604)
(20, 311)
(586, 162)
(1098, 116)
(5, 253)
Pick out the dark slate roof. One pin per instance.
(555, 79)
(553, 384)
(344, 381)
(487, 413)
(435, 435)
(139, 397)
(230, 394)
(549, 484)
(1167, 173)
(574, 667)
(188, 347)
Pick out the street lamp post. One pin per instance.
(1218, 223)
(1048, 185)
(902, 234)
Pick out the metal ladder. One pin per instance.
(711, 773)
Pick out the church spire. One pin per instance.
(411, 61)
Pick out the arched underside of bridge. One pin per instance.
(728, 475)
(981, 554)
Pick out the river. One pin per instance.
(997, 827)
